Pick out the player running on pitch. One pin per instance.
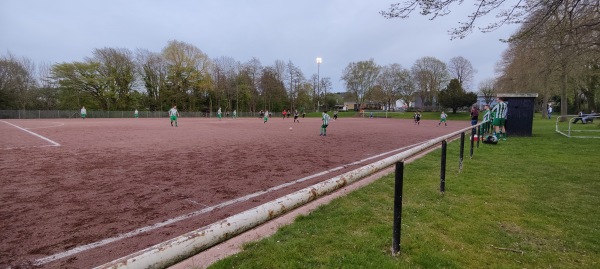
(266, 118)
(325, 118)
(173, 113)
(443, 117)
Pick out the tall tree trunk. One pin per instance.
(563, 95)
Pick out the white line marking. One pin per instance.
(135, 232)
(52, 126)
(25, 130)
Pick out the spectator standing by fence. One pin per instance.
(83, 112)
(136, 114)
(474, 115)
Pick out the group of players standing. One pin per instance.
(495, 117)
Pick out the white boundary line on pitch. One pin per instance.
(52, 126)
(30, 132)
(135, 232)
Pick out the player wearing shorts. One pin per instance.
(219, 113)
(325, 119)
(136, 114)
(173, 114)
(83, 112)
(487, 117)
(296, 116)
(266, 117)
(418, 118)
(499, 111)
(443, 117)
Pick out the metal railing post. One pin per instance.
(479, 134)
(399, 182)
(462, 151)
(472, 143)
(443, 168)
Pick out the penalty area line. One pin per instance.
(135, 232)
(32, 133)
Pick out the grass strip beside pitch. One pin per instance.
(529, 202)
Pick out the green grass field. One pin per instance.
(531, 202)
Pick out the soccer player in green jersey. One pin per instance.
(487, 116)
(325, 119)
(499, 111)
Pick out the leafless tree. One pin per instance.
(17, 82)
(360, 77)
(152, 70)
(392, 80)
(429, 74)
(488, 90)
(505, 12)
(462, 69)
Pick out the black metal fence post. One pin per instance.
(472, 143)
(479, 134)
(443, 168)
(399, 182)
(462, 151)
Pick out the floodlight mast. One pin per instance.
(319, 60)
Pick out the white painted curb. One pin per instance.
(165, 253)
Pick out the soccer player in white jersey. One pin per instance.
(325, 118)
(266, 118)
(173, 113)
(443, 117)
(500, 110)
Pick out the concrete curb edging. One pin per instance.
(186, 245)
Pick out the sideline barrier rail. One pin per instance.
(189, 244)
(570, 132)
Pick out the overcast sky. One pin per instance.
(338, 31)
